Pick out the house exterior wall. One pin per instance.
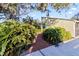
(68, 25)
(77, 29)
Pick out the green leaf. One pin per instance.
(4, 47)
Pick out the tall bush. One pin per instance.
(15, 37)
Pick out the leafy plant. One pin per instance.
(30, 20)
(56, 35)
(15, 37)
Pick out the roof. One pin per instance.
(74, 20)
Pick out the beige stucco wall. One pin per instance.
(68, 25)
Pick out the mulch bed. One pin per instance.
(39, 44)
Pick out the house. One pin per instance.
(70, 25)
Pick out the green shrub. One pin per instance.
(15, 37)
(32, 22)
(67, 35)
(56, 35)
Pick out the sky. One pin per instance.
(65, 13)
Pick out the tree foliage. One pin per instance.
(11, 8)
(58, 6)
(31, 21)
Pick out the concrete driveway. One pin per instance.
(64, 49)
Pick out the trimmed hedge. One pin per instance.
(15, 37)
(56, 35)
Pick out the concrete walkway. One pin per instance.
(70, 48)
